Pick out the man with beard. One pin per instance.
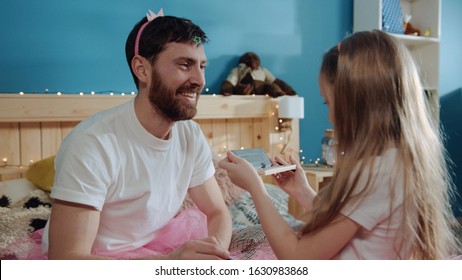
(122, 174)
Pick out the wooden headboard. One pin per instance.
(32, 126)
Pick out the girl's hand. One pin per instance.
(242, 173)
(293, 183)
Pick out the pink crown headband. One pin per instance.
(151, 16)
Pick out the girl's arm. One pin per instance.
(295, 183)
(324, 244)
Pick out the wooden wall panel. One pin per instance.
(220, 143)
(247, 134)
(257, 132)
(30, 142)
(9, 143)
(51, 138)
(206, 126)
(246, 122)
(233, 134)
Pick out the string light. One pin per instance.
(112, 93)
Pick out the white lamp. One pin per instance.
(289, 107)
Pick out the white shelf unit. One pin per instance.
(426, 15)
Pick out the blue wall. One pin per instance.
(73, 46)
(451, 89)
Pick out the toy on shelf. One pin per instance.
(249, 77)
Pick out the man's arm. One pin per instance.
(209, 199)
(73, 229)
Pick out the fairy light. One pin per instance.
(82, 93)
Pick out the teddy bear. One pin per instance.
(249, 77)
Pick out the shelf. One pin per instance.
(411, 40)
(426, 15)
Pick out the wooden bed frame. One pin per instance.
(32, 126)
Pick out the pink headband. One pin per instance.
(151, 16)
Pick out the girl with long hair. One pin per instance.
(389, 197)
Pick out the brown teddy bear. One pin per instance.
(249, 77)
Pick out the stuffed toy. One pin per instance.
(249, 77)
(409, 28)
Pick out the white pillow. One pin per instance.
(16, 189)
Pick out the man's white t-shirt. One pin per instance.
(137, 181)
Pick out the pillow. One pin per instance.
(42, 173)
(18, 220)
(244, 214)
(231, 192)
(16, 189)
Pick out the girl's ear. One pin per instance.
(141, 68)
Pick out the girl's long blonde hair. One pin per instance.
(379, 103)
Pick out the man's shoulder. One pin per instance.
(188, 125)
(101, 118)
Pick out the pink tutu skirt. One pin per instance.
(188, 225)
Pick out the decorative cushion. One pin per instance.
(15, 190)
(42, 173)
(18, 220)
(244, 213)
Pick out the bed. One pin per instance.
(33, 125)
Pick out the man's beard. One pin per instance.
(169, 103)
